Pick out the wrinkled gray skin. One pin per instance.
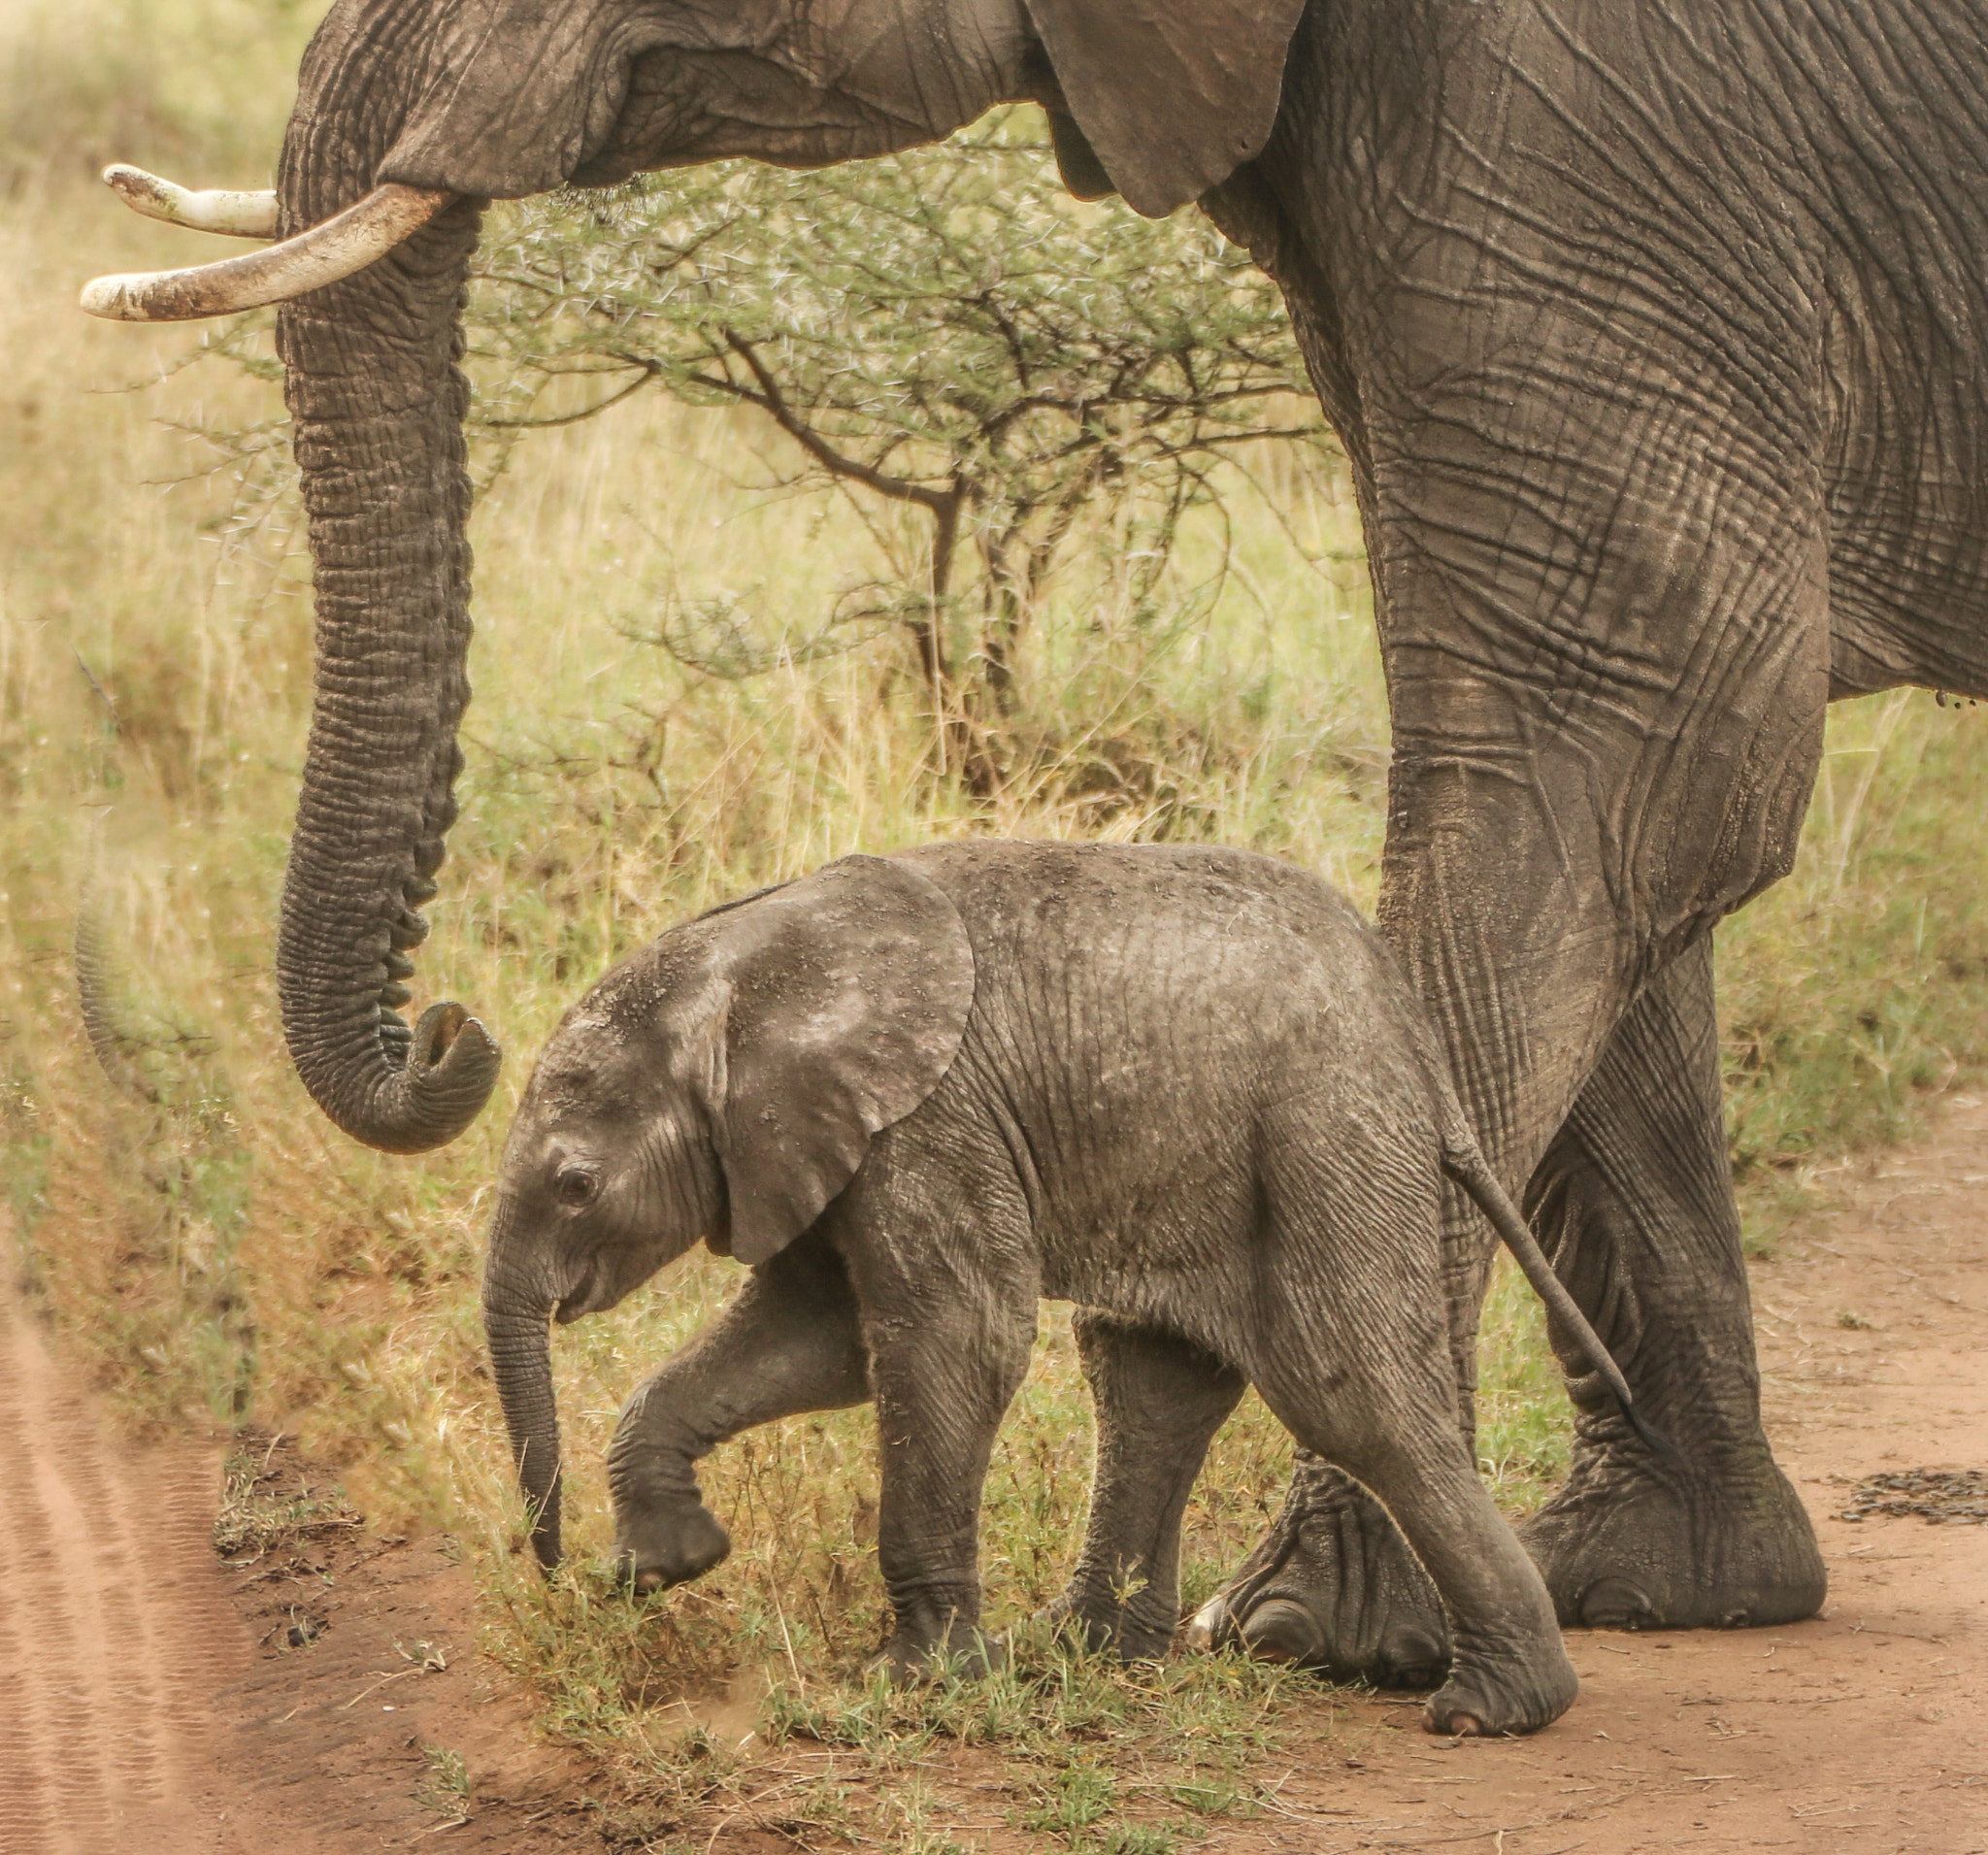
(1183, 1088)
(1651, 329)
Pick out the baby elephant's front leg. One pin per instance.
(945, 1372)
(788, 1344)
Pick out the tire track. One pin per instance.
(114, 1626)
(139, 1717)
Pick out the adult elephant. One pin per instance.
(1653, 329)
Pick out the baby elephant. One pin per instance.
(1183, 1088)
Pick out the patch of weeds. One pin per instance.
(1072, 1799)
(258, 1512)
(1087, 1744)
(1140, 1839)
(1224, 1794)
(1085, 1804)
(600, 1654)
(1089, 1755)
(1772, 1201)
(610, 1668)
(1525, 1425)
(446, 1787)
(300, 1629)
(641, 1828)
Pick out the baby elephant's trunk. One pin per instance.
(520, 1357)
(1465, 1164)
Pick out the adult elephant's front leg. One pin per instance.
(1634, 1202)
(1606, 660)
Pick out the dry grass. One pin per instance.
(220, 1250)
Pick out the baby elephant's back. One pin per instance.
(1163, 998)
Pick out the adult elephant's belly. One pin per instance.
(1906, 502)
(1907, 540)
(1912, 613)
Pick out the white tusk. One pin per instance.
(241, 215)
(345, 242)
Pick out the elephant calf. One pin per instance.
(1183, 1088)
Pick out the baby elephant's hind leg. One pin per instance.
(789, 1342)
(1159, 1402)
(1509, 1672)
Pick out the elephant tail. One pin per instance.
(1465, 1164)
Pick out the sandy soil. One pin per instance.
(158, 1702)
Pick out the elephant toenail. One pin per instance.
(1208, 1625)
(1614, 1604)
(1734, 1620)
(1281, 1631)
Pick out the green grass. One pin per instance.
(222, 1253)
(1080, 1749)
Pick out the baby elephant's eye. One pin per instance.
(576, 1185)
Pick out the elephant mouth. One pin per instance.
(578, 1301)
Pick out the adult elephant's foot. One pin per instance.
(1332, 1586)
(1633, 1543)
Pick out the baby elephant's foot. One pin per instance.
(669, 1545)
(1503, 1694)
(1106, 1627)
(920, 1652)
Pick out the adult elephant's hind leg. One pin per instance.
(1634, 1202)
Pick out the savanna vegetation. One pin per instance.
(719, 646)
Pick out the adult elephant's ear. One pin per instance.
(1173, 95)
(848, 993)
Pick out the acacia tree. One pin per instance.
(945, 330)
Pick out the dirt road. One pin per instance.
(316, 1699)
(113, 1628)
(153, 1702)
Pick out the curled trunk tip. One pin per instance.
(450, 1068)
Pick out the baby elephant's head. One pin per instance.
(723, 1084)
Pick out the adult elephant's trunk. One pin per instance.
(520, 1357)
(378, 402)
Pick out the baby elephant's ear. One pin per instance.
(848, 994)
